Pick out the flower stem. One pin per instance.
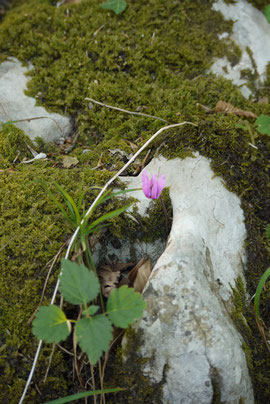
(168, 220)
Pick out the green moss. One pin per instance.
(260, 4)
(134, 69)
(253, 344)
(266, 88)
(31, 231)
(155, 224)
(13, 144)
(128, 373)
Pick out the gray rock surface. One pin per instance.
(186, 329)
(15, 105)
(250, 29)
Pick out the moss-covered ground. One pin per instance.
(153, 58)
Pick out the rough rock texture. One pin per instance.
(187, 330)
(15, 105)
(251, 30)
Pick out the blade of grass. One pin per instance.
(109, 215)
(58, 204)
(90, 229)
(69, 399)
(259, 291)
(103, 199)
(125, 191)
(71, 204)
(95, 204)
(82, 195)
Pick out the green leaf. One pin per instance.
(105, 197)
(51, 324)
(91, 310)
(266, 12)
(78, 285)
(263, 122)
(239, 125)
(124, 306)
(90, 229)
(71, 205)
(117, 6)
(259, 291)
(57, 203)
(69, 399)
(125, 191)
(109, 215)
(268, 231)
(94, 336)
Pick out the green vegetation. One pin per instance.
(80, 286)
(263, 123)
(13, 143)
(260, 4)
(117, 6)
(267, 12)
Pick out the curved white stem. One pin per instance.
(78, 228)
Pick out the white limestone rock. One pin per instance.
(250, 29)
(15, 105)
(186, 329)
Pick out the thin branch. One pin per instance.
(125, 110)
(86, 215)
(102, 396)
(93, 382)
(33, 119)
(49, 365)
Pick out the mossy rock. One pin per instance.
(260, 4)
(13, 144)
(153, 58)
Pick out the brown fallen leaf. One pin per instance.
(227, 108)
(140, 274)
(108, 279)
(109, 275)
(120, 266)
(142, 277)
(133, 273)
(69, 161)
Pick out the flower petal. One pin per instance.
(161, 184)
(146, 185)
(154, 190)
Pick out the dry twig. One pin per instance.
(125, 110)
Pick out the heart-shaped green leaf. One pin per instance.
(51, 324)
(263, 122)
(124, 306)
(78, 285)
(117, 6)
(94, 336)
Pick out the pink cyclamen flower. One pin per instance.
(152, 188)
